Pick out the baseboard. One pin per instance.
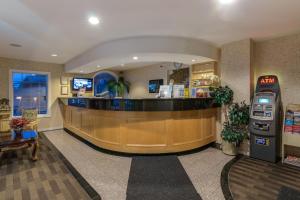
(50, 129)
(217, 146)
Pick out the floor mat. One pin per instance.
(287, 193)
(159, 178)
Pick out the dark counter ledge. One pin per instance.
(175, 104)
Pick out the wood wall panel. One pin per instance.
(107, 129)
(143, 132)
(76, 117)
(67, 114)
(87, 124)
(185, 130)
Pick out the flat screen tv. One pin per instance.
(86, 83)
(154, 85)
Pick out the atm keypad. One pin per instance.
(263, 111)
(269, 108)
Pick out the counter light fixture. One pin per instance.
(135, 58)
(94, 20)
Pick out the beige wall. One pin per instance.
(235, 68)
(235, 71)
(139, 79)
(281, 57)
(56, 70)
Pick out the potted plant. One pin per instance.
(236, 119)
(236, 128)
(18, 124)
(224, 97)
(119, 87)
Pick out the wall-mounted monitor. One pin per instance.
(86, 83)
(154, 85)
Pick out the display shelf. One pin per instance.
(291, 147)
(291, 135)
(292, 162)
(203, 76)
(203, 72)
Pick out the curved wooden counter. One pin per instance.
(143, 131)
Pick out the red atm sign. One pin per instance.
(268, 80)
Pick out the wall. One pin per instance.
(139, 78)
(235, 68)
(236, 72)
(56, 70)
(281, 57)
(242, 62)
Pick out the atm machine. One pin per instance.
(265, 120)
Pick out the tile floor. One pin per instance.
(48, 178)
(204, 169)
(108, 174)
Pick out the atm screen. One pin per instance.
(263, 100)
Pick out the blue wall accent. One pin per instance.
(100, 82)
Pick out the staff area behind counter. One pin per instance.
(142, 125)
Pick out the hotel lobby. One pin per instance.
(150, 100)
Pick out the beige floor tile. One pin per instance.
(107, 174)
(204, 169)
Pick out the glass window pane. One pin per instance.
(30, 90)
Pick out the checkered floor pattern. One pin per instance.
(47, 178)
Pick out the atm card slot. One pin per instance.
(258, 113)
(261, 126)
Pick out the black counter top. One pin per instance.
(174, 104)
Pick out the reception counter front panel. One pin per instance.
(133, 129)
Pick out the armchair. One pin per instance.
(31, 116)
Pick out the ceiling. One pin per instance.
(129, 66)
(60, 26)
(147, 60)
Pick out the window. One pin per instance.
(30, 90)
(100, 83)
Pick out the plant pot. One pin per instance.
(229, 148)
(18, 132)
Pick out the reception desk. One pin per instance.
(142, 125)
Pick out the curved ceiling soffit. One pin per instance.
(158, 48)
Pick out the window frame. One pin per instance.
(11, 91)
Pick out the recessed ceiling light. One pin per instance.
(122, 65)
(81, 71)
(193, 60)
(54, 55)
(135, 58)
(226, 1)
(15, 45)
(94, 20)
(98, 66)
